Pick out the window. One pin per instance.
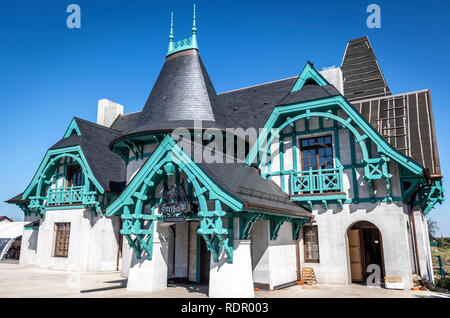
(317, 153)
(62, 234)
(311, 243)
(74, 176)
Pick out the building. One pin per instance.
(10, 238)
(339, 176)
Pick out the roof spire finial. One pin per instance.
(171, 32)
(194, 31)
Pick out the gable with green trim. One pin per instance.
(48, 190)
(375, 168)
(169, 161)
(72, 129)
(138, 203)
(307, 76)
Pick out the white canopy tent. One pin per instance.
(9, 231)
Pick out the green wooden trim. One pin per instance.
(369, 132)
(31, 227)
(320, 180)
(309, 73)
(294, 148)
(72, 127)
(275, 224)
(325, 196)
(168, 146)
(186, 44)
(269, 164)
(354, 171)
(163, 161)
(334, 199)
(430, 195)
(246, 222)
(281, 151)
(337, 146)
(296, 227)
(312, 131)
(50, 158)
(65, 207)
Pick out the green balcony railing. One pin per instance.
(317, 181)
(65, 195)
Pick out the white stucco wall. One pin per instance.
(334, 266)
(274, 261)
(423, 242)
(151, 275)
(232, 280)
(28, 247)
(92, 242)
(125, 261)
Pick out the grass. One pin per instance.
(444, 252)
(445, 255)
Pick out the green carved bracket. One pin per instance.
(275, 225)
(137, 148)
(430, 195)
(246, 222)
(143, 241)
(296, 227)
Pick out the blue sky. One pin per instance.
(49, 73)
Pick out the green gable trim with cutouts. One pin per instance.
(73, 127)
(316, 108)
(169, 145)
(76, 153)
(309, 73)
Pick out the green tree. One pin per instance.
(432, 228)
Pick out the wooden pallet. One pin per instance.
(308, 275)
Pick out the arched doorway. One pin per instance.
(365, 248)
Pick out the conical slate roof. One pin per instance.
(182, 94)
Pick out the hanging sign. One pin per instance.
(174, 206)
(171, 208)
(173, 212)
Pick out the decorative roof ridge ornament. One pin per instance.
(171, 33)
(186, 44)
(194, 31)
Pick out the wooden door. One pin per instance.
(355, 255)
